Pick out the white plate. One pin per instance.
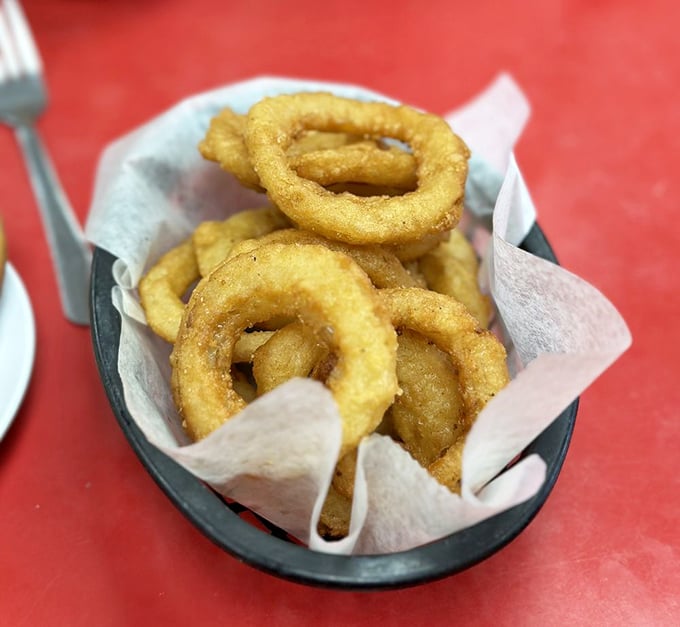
(17, 346)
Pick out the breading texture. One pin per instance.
(451, 268)
(476, 353)
(440, 156)
(381, 266)
(325, 290)
(325, 157)
(214, 240)
(162, 288)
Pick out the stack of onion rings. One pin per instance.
(355, 276)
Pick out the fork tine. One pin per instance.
(28, 54)
(9, 58)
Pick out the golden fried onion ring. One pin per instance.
(381, 266)
(288, 280)
(162, 288)
(452, 269)
(427, 418)
(335, 515)
(475, 352)
(292, 351)
(327, 158)
(223, 143)
(412, 251)
(361, 162)
(447, 470)
(247, 345)
(429, 414)
(441, 158)
(213, 240)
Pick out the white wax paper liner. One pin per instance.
(278, 455)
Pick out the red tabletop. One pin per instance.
(86, 537)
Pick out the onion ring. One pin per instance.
(413, 268)
(312, 141)
(361, 162)
(412, 251)
(288, 280)
(476, 353)
(213, 240)
(427, 418)
(363, 189)
(292, 351)
(447, 470)
(452, 269)
(335, 515)
(441, 158)
(381, 266)
(162, 288)
(458, 247)
(223, 143)
(429, 414)
(242, 384)
(326, 158)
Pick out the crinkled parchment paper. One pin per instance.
(278, 455)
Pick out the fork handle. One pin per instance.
(70, 252)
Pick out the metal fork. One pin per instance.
(23, 98)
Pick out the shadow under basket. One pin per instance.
(258, 543)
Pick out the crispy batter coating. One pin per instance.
(247, 344)
(381, 266)
(478, 356)
(242, 384)
(427, 418)
(223, 143)
(325, 157)
(343, 475)
(448, 468)
(335, 515)
(162, 288)
(214, 240)
(292, 351)
(363, 162)
(476, 353)
(429, 414)
(412, 251)
(451, 268)
(325, 290)
(441, 168)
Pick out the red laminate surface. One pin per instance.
(86, 537)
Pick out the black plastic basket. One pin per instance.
(264, 546)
